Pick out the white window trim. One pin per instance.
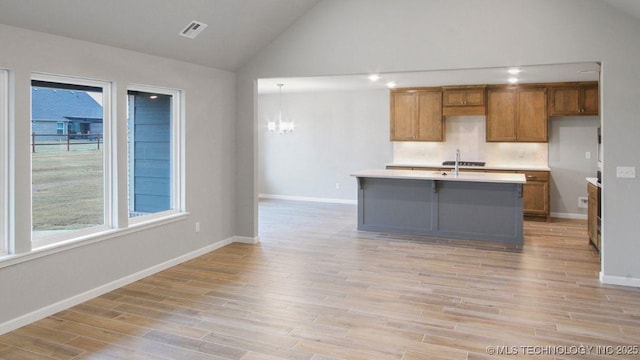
(69, 244)
(107, 161)
(177, 153)
(4, 160)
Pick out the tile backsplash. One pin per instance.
(467, 133)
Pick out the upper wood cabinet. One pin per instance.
(517, 114)
(574, 99)
(416, 115)
(464, 100)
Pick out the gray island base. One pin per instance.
(472, 206)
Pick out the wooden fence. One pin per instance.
(71, 139)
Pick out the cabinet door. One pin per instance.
(430, 123)
(592, 213)
(565, 101)
(452, 98)
(403, 114)
(463, 97)
(501, 114)
(576, 99)
(535, 198)
(473, 97)
(535, 193)
(590, 100)
(532, 118)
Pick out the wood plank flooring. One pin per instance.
(316, 288)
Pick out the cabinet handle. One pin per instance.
(530, 177)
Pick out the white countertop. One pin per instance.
(438, 175)
(593, 181)
(486, 167)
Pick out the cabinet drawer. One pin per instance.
(535, 175)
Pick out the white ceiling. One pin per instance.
(237, 29)
(631, 7)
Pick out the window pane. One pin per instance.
(67, 158)
(150, 152)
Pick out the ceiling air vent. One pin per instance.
(193, 29)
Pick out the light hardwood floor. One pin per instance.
(316, 288)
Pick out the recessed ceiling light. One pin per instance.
(513, 80)
(514, 71)
(391, 84)
(374, 77)
(153, 97)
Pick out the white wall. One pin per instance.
(339, 37)
(340, 132)
(570, 137)
(337, 133)
(32, 286)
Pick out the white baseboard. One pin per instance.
(305, 198)
(619, 280)
(246, 239)
(569, 216)
(88, 295)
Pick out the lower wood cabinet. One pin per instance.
(535, 192)
(593, 220)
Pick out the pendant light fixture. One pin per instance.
(280, 126)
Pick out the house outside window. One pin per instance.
(154, 152)
(69, 172)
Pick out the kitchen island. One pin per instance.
(474, 205)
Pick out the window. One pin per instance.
(68, 171)
(154, 152)
(4, 115)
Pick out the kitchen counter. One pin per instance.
(486, 177)
(594, 181)
(471, 206)
(486, 167)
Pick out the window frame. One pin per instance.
(108, 157)
(4, 161)
(177, 155)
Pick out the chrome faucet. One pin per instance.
(456, 168)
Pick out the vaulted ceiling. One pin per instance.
(237, 29)
(631, 7)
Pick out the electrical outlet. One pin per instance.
(628, 172)
(587, 155)
(337, 185)
(583, 202)
(197, 226)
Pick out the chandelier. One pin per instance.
(280, 126)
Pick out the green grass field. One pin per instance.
(67, 187)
